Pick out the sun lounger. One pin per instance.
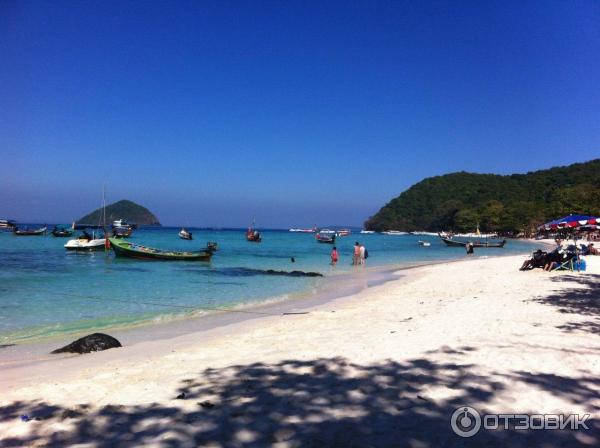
(567, 264)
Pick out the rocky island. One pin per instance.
(124, 209)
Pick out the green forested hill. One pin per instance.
(132, 212)
(514, 203)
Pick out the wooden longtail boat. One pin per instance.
(131, 250)
(28, 232)
(451, 242)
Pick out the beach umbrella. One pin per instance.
(570, 222)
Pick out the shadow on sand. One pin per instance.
(319, 403)
(583, 300)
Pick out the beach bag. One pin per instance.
(366, 254)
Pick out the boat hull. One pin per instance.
(129, 250)
(479, 244)
(39, 232)
(86, 245)
(325, 239)
(253, 236)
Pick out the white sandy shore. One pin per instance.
(385, 367)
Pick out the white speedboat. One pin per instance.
(394, 232)
(303, 230)
(86, 242)
(367, 231)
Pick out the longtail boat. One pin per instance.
(29, 232)
(131, 250)
(490, 244)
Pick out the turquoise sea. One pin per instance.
(46, 290)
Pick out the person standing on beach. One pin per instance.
(334, 256)
(362, 254)
(356, 258)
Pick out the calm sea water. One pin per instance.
(46, 290)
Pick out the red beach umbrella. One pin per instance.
(570, 222)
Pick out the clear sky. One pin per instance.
(296, 112)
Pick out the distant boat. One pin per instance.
(123, 223)
(61, 232)
(424, 243)
(122, 231)
(343, 232)
(131, 250)
(184, 234)
(313, 230)
(484, 244)
(253, 236)
(7, 224)
(367, 231)
(394, 232)
(325, 236)
(30, 232)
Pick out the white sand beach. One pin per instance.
(385, 367)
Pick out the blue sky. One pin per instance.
(298, 113)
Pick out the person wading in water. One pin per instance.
(334, 256)
(356, 258)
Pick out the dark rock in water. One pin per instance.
(293, 273)
(91, 343)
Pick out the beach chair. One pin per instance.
(568, 264)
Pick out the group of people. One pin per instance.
(359, 255)
(560, 256)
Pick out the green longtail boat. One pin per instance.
(132, 250)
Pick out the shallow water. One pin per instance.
(46, 290)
